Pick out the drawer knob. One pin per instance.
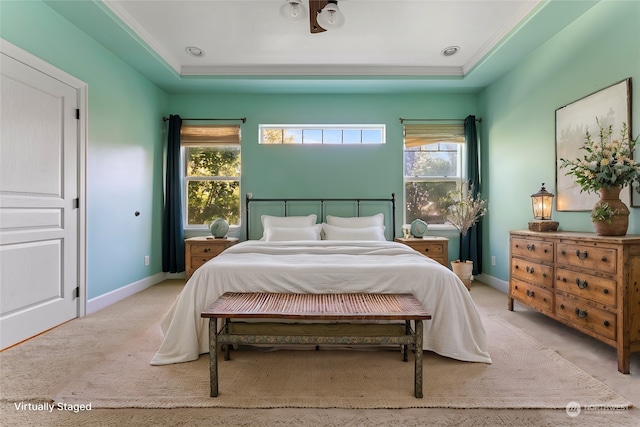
(581, 283)
(606, 291)
(604, 259)
(530, 293)
(582, 255)
(206, 250)
(531, 247)
(562, 306)
(581, 313)
(426, 249)
(529, 270)
(606, 323)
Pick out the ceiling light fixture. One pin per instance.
(293, 10)
(323, 14)
(330, 16)
(194, 51)
(451, 50)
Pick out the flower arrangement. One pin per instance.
(607, 162)
(463, 210)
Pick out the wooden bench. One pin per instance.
(304, 307)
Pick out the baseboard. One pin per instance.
(494, 282)
(105, 300)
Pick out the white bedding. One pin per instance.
(455, 329)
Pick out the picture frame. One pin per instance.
(610, 106)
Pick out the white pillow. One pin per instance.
(356, 221)
(276, 234)
(286, 221)
(332, 232)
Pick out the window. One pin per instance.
(434, 164)
(211, 166)
(322, 134)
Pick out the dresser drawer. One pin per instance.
(595, 288)
(533, 296)
(533, 249)
(199, 261)
(584, 256)
(432, 250)
(531, 272)
(436, 248)
(581, 314)
(207, 251)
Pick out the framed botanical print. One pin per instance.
(610, 106)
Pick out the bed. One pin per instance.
(340, 254)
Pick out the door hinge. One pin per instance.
(76, 203)
(77, 113)
(76, 292)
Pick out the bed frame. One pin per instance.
(323, 211)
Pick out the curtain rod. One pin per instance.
(479, 119)
(244, 119)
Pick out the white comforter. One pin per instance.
(455, 329)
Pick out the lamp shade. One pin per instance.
(293, 10)
(330, 16)
(541, 202)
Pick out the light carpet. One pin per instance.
(524, 374)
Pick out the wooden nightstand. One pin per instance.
(199, 250)
(436, 248)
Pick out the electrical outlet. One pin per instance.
(493, 261)
(146, 260)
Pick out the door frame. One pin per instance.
(81, 87)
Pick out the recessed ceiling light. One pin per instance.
(194, 51)
(451, 50)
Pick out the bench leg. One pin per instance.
(418, 373)
(227, 347)
(213, 356)
(407, 331)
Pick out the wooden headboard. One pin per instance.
(321, 207)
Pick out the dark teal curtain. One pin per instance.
(172, 231)
(471, 243)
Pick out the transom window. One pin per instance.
(322, 134)
(434, 165)
(211, 167)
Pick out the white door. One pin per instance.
(39, 215)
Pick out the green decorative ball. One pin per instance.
(418, 228)
(219, 228)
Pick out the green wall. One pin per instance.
(126, 134)
(518, 131)
(325, 171)
(124, 147)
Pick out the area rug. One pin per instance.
(524, 375)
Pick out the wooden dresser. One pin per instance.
(436, 248)
(199, 250)
(588, 282)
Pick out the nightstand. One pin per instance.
(434, 247)
(199, 250)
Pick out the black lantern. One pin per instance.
(541, 203)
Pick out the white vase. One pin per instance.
(464, 270)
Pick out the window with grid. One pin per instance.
(434, 164)
(322, 134)
(211, 167)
